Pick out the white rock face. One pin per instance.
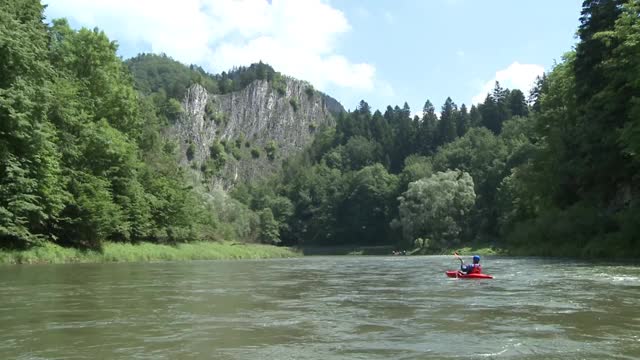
(257, 116)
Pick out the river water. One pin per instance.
(321, 308)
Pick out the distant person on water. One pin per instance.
(474, 268)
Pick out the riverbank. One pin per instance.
(483, 250)
(388, 250)
(346, 250)
(145, 252)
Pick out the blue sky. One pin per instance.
(385, 52)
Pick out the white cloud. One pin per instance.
(460, 53)
(297, 37)
(515, 76)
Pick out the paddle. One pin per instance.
(455, 253)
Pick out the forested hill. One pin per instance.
(554, 172)
(163, 78)
(85, 156)
(234, 127)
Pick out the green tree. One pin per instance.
(517, 104)
(89, 58)
(381, 131)
(597, 16)
(495, 109)
(405, 133)
(294, 104)
(624, 70)
(447, 127)
(580, 177)
(463, 121)
(415, 168)
(475, 117)
(271, 149)
(435, 208)
(174, 109)
(427, 134)
(483, 156)
(154, 73)
(31, 185)
(537, 90)
(369, 205)
(316, 191)
(218, 154)
(269, 232)
(191, 151)
(360, 152)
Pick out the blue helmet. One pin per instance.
(476, 259)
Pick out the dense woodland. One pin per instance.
(551, 171)
(555, 171)
(82, 156)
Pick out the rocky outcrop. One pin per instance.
(257, 127)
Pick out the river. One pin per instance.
(321, 308)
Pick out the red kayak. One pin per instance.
(461, 275)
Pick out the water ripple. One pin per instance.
(321, 308)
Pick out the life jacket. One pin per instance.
(477, 269)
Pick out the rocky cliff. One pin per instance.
(237, 137)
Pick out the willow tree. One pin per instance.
(435, 208)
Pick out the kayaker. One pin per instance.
(474, 268)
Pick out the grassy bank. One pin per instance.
(115, 252)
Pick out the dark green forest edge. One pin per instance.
(84, 163)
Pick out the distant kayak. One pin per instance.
(458, 274)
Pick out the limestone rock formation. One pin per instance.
(240, 136)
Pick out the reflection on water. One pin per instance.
(320, 308)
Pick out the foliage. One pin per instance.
(562, 161)
(368, 205)
(415, 168)
(239, 77)
(294, 104)
(218, 155)
(580, 182)
(82, 159)
(270, 149)
(269, 232)
(278, 83)
(435, 208)
(483, 156)
(32, 183)
(310, 91)
(191, 151)
(160, 73)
